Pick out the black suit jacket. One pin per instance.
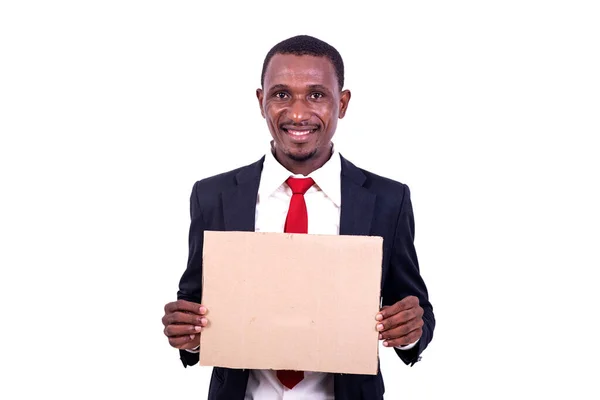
(371, 205)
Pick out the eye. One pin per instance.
(316, 95)
(280, 95)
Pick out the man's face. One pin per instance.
(302, 102)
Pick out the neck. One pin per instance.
(304, 167)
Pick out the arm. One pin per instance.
(404, 279)
(190, 284)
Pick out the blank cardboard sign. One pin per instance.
(291, 301)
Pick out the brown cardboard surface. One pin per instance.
(291, 301)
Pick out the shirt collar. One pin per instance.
(327, 178)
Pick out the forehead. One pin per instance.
(294, 70)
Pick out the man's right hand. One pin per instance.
(183, 323)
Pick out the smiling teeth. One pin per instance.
(298, 133)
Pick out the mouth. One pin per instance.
(299, 134)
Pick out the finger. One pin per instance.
(411, 337)
(404, 304)
(184, 318)
(185, 342)
(182, 330)
(398, 319)
(186, 306)
(402, 330)
(387, 311)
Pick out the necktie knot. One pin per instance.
(299, 185)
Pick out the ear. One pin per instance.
(344, 101)
(259, 96)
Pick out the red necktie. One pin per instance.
(296, 222)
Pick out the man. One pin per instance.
(304, 185)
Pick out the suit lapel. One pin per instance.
(239, 203)
(358, 204)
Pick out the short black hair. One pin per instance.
(304, 45)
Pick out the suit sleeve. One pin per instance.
(190, 284)
(404, 278)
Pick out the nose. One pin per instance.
(299, 111)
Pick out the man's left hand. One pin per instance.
(401, 323)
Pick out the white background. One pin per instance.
(111, 110)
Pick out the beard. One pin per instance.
(301, 157)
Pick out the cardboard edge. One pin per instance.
(380, 300)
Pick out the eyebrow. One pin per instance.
(319, 88)
(278, 87)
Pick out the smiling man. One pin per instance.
(303, 185)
